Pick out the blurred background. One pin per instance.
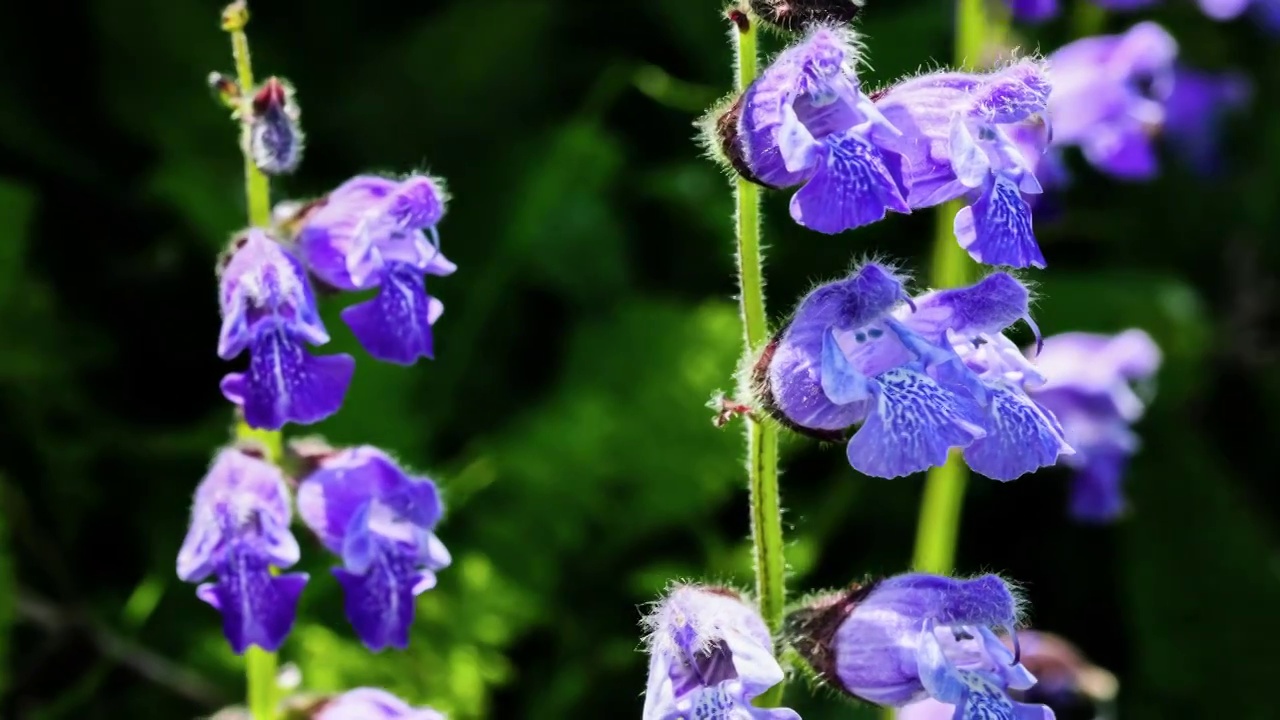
(591, 318)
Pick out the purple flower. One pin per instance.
(378, 232)
(1088, 390)
(918, 636)
(239, 530)
(1108, 97)
(921, 376)
(710, 654)
(1196, 107)
(1066, 682)
(379, 520)
(1033, 11)
(805, 121)
(372, 704)
(957, 130)
(1265, 12)
(269, 309)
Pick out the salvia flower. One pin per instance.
(1066, 682)
(805, 121)
(269, 309)
(918, 636)
(275, 137)
(799, 15)
(922, 376)
(377, 232)
(239, 531)
(1109, 95)
(710, 655)
(1089, 391)
(372, 704)
(379, 520)
(1265, 12)
(1196, 107)
(957, 133)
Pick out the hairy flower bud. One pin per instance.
(798, 15)
(225, 88)
(275, 137)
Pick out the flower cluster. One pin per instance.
(360, 504)
(913, 637)
(976, 137)
(920, 375)
(372, 232)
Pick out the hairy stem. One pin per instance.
(762, 438)
(260, 665)
(977, 29)
(256, 186)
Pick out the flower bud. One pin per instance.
(225, 88)
(275, 137)
(798, 15)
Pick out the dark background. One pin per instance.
(591, 318)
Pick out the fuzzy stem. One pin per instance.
(976, 29)
(257, 187)
(762, 437)
(260, 665)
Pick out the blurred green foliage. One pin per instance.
(590, 320)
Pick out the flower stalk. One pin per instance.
(260, 665)
(977, 29)
(762, 438)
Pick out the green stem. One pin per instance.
(977, 30)
(256, 185)
(762, 438)
(260, 665)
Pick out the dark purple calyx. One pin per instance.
(811, 630)
(762, 391)
(729, 139)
